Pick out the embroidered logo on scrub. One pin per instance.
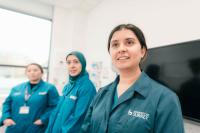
(73, 97)
(138, 114)
(42, 93)
(17, 93)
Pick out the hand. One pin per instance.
(8, 122)
(38, 122)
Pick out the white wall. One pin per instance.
(68, 33)
(163, 22)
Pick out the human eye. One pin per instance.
(129, 42)
(35, 70)
(76, 61)
(68, 62)
(114, 45)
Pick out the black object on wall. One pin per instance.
(178, 67)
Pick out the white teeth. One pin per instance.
(122, 58)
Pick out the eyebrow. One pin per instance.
(113, 41)
(129, 38)
(73, 60)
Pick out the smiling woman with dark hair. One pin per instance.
(133, 102)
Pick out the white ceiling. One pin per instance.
(73, 4)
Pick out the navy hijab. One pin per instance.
(82, 60)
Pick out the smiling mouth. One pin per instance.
(72, 71)
(123, 58)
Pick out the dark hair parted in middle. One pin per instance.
(36, 64)
(139, 34)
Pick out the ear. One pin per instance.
(143, 52)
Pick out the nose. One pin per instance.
(71, 65)
(122, 48)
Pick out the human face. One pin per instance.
(74, 66)
(34, 73)
(125, 50)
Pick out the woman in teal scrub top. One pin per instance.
(133, 102)
(77, 95)
(29, 104)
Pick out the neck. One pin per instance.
(35, 81)
(129, 77)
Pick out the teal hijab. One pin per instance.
(82, 60)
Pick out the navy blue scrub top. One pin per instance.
(146, 107)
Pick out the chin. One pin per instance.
(122, 66)
(121, 69)
(73, 75)
(35, 80)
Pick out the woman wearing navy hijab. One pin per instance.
(77, 95)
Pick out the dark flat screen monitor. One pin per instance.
(177, 66)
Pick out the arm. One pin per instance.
(169, 117)
(85, 128)
(53, 98)
(8, 122)
(6, 111)
(86, 125)
(75, 120)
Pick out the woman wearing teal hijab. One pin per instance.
(77, 95)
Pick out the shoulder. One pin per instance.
(105, 89)
(49, 85)
(49, 88)
(86, 83)
(19, 86)
(102, 93)
(161, 93)
(161, 89)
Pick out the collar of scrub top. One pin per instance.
(29, 91)
(140, 87)
(68, 88)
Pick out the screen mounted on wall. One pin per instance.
(178, 67)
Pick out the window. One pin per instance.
(24, 39)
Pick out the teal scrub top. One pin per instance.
(115, 99)
(43, 99)
(72, 107)
(146, 107)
